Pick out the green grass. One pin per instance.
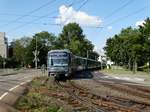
(123, 72)
(35, 101)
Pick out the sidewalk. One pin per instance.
(142, 78)
(7, 71)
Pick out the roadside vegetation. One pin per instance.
(72, 38)
(131, 48)
(123, 71)
(125, 74)
(42, 96)
(37, 103)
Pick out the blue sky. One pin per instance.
(112, 15)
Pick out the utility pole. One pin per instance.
(87, 56)
(36, 53)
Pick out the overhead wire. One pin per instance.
(126, 16)
(70, 17)
(129, 15)
(30, 22)
(25, 22)
(118, 9)
(115, 11)
(27, 15)
(123, 6)
(84, 3)
(50, 24)
(33, 11)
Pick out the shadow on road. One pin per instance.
(82, 75)
(77, 76)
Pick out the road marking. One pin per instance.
(125, 83)
(3, 95)
(11, 89)
(14, 87)
(22, 83)
(137, 84)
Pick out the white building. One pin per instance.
(3, 45)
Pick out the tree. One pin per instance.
(72, 31)
(10, 49)
(132, 46)
(145, 33)
(72, 38)
(45, 42)
(126, 48)
(19, 50)
(114, 49)
(11, 61)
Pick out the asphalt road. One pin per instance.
(10, 82)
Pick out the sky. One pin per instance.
(99, 19)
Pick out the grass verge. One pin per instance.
(38, 99)
(123, 72)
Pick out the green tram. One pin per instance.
(62, 63)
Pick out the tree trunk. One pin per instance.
(135, 65)
(129, 64)
(148, 66)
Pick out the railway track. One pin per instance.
(83, 99)
(134, 90)
(141, 88)
(139, 97)
(93, 102)
(113, 104)
(80, 103)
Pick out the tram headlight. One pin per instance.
(66, 75)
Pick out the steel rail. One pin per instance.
(81, 100)
(114, 102)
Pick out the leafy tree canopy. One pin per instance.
(72, 38)
(131, 46)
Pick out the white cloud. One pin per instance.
(139, 23)
(109, 27)
(99, 50)
(68, 15)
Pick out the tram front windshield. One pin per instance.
(58, 59)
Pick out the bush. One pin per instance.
(144, 68)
